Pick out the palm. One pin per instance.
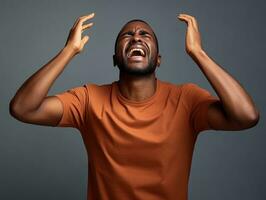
(75, 39)
(193, 40)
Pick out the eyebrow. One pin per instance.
(140, 30)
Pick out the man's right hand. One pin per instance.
(31, 103)
(74, 40)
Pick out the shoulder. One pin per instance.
(178, 90)
(98, 87)
(180, 86)
(189, 86)
(189, 91)
(98, 90)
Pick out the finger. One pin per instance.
(189, 21)
(186, 19)
(80, 19)
(85, 18)
(85, 39)
(183, 14)
(86, 26)
(192, 19)
(74, 25)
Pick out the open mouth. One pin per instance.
(136, 52)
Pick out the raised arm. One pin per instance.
(31, 103)
(236, 109)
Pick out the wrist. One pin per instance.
(69, 50)
(197, 53)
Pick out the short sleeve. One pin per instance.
(198, 100)
(75, 103)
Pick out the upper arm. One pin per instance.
(66, 109)
(48, 113)
(218, 120)
(207, 112)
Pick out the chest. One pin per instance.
(139, 134)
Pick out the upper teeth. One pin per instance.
(135, 49)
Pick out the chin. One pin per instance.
(137, 70)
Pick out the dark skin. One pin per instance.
(31, 103)
(134, 83)
(234, 111)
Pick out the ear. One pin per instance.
(114, 60)
(159, 60)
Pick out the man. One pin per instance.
(139, 131)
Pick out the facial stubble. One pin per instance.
(136, 71)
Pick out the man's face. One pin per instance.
(136, 51)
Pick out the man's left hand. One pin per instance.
(193, 40)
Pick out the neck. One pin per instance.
(137, 88)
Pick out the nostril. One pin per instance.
(136, 40)
(136, 37)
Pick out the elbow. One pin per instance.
(254, 118)
(250, 120)
(12, 109)
(15, 110)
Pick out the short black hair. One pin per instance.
(138, 20)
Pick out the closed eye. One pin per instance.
(143, 33)
(128, 33)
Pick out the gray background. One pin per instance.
(38, 162)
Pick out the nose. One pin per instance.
(136, 38)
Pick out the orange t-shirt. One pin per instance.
(137, 150)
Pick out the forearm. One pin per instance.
(237, 103)
(31, 94)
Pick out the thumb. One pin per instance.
(85, 39)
